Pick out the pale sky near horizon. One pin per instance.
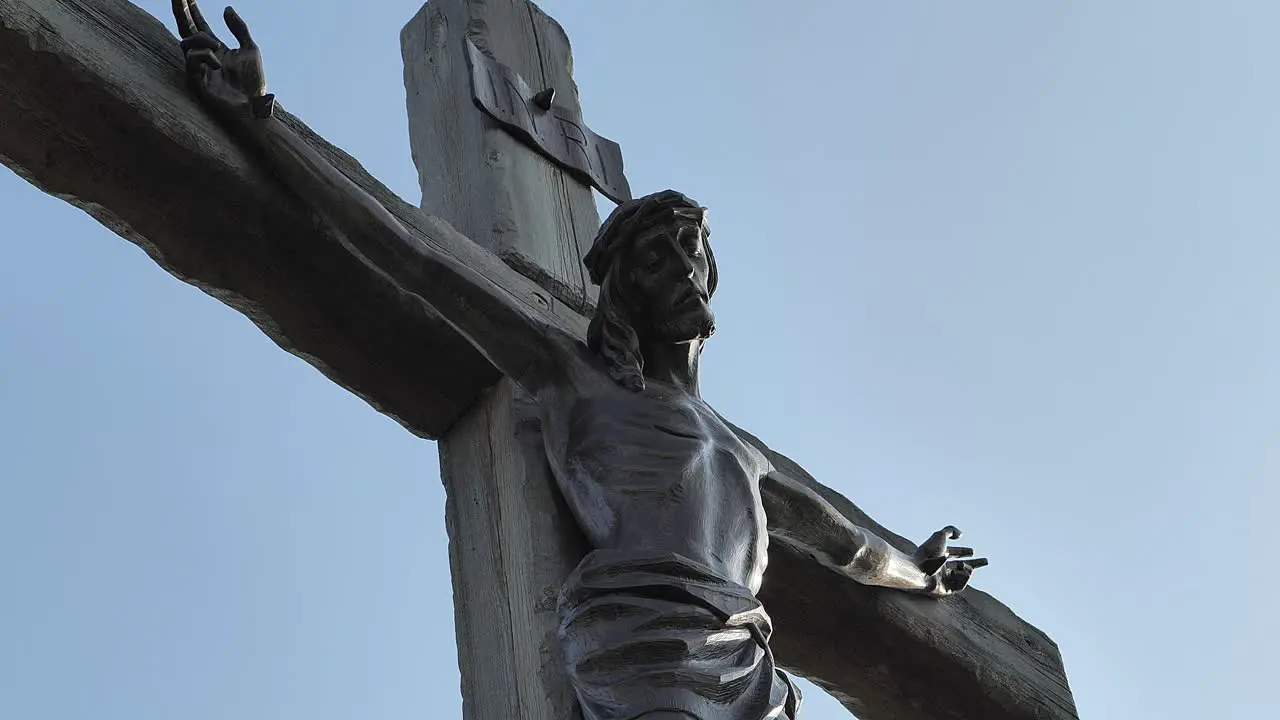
(1007, 265)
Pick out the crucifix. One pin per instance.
(95, 109)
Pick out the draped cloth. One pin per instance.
(645, 633)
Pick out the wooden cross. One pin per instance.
(79, 75)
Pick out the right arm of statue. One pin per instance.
(231, 83)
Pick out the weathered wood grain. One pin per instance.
(512, 540)
(475, 174)
(79, 76)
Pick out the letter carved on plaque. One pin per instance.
(556, 131)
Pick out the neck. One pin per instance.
(673, 363)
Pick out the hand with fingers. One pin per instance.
(231, 82)
(947, 568)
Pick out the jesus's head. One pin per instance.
(653, 262)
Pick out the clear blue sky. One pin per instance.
(1010, 265)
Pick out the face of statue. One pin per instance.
(669, 271)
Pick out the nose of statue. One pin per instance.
(686, 265)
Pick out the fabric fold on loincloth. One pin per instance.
(643, 633)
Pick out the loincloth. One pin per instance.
(645, 633)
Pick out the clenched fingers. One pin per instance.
(932, 565)
(203, 58)
(199, 64)
(957, 574)
(200, 41)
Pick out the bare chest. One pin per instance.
(661, 471)
(655, 439)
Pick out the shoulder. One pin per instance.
(574, 371)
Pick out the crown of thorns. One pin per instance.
(632, 220)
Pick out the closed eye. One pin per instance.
(677, 433)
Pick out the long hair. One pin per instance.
(612, 332)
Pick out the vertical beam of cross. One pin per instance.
(511, 200)
(511, 538)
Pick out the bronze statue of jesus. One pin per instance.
(660, 621)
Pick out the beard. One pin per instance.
(687, 326)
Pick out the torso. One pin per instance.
(658, 471)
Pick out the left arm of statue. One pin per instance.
(231, 84)
(803, 520)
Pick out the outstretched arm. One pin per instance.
(803, 520)
(232, 84)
